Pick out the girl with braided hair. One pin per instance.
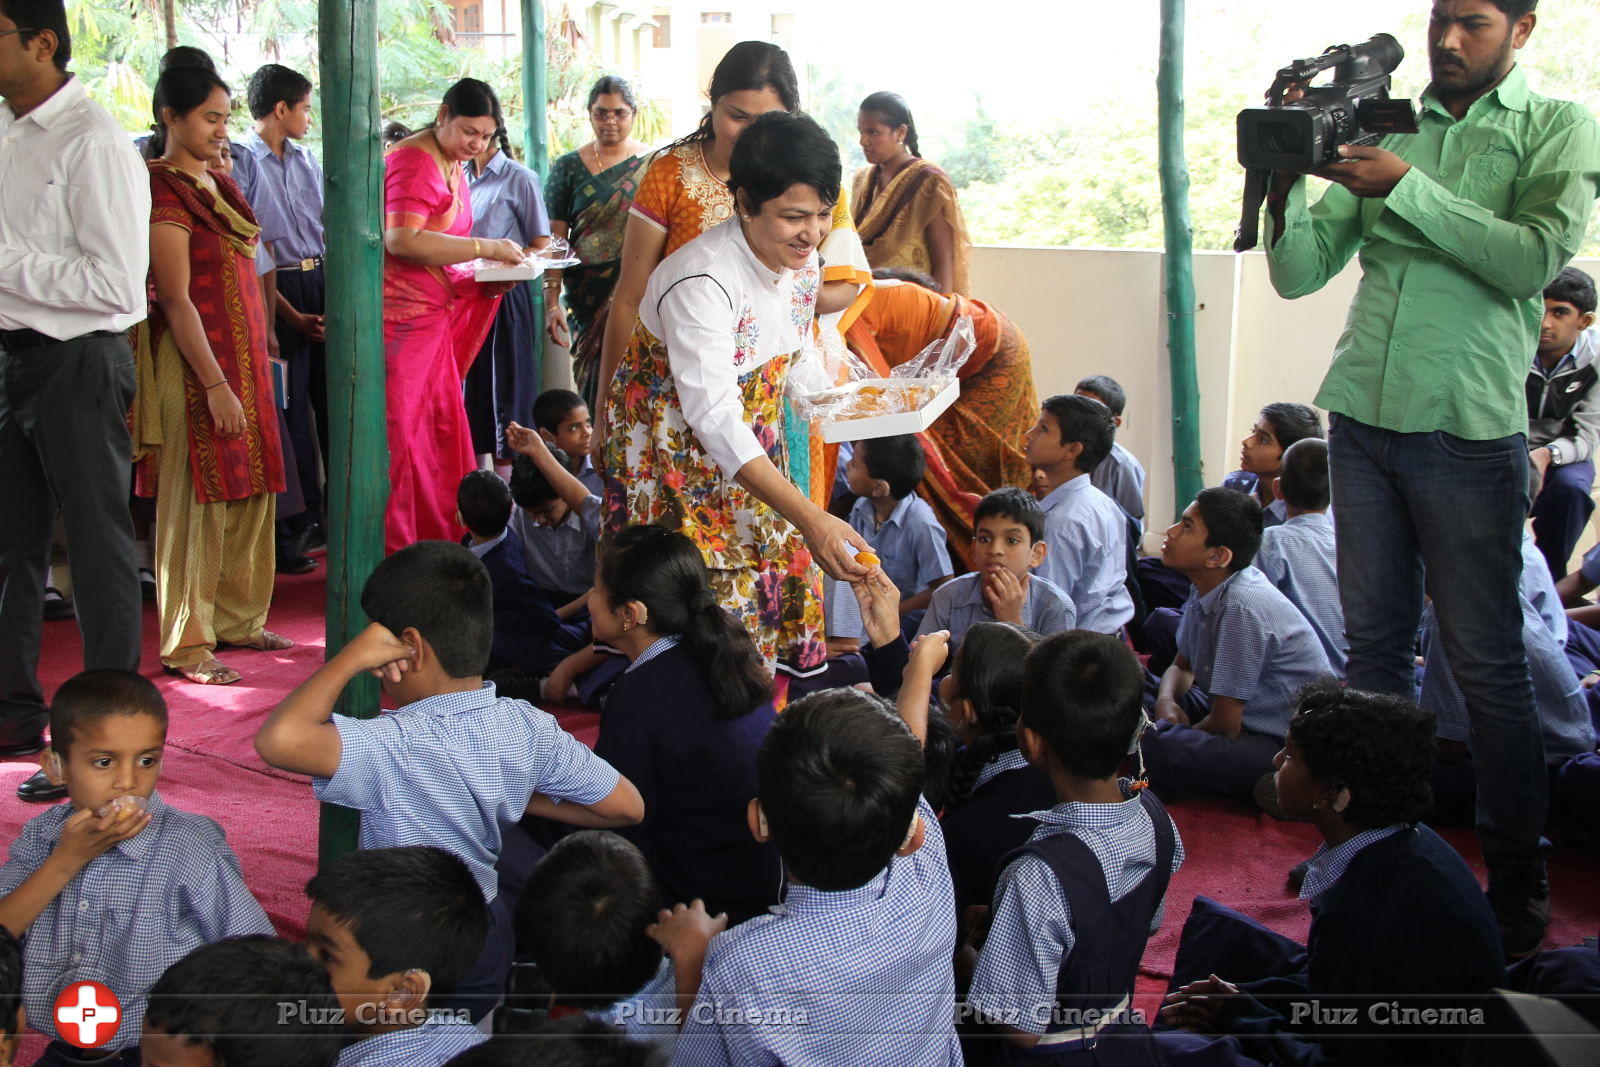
(991, 781)
(686, 718)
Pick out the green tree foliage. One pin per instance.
(1088, 177)
(117, 45)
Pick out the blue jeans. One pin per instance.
(1435, 511)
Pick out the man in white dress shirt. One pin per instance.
(74, 252)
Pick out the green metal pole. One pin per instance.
(536, 144)
(1179, 261)
(358, 439)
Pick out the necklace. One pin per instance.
(599, 161)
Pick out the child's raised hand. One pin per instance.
(86, 835)
(378, 650)
(880, 606)
(522, 440)
(928, 653)
(686, 928)
(1005, 594)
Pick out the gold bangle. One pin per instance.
(475, 253)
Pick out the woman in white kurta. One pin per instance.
(695, 411)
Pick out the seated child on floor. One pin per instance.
(131, 883)
(528, 635)
(562, 419)
(1007, 542)
(557, 517)
(455, 763)
(1300, 557)
(1076, 904)
(1564, 713)
(1086, 530)
(899, 525)
(585, 920)
(1398, 922)
(397, 930)
(1278, 427)
(1244, 651)
(1120, 475)
(219, 1006)
(1276, 430)
(991, 782)
(841, 780)
(685, 720)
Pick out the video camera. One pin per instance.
(1353, 108)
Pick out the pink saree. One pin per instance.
(434, 323)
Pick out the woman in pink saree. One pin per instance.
(435, 316)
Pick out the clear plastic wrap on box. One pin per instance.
(557, 255)
(832, 387)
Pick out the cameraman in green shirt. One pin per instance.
(1459, 227)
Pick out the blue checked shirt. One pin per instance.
(1120, 476)
(958, 604)
(1299, 558)
(1557, 692)
(1273, 514)
(131, 913)
(560, 558)
(910, 543)
(1328, 865)
(433, 1044)
(1031, 931)
(657, 647)
(452, 769)
(1245, 640)
(286, 196)
(507, 201)
(860, 977)
(1006, 761)
(650, 1014)
(1088, 557)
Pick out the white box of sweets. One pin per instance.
(883, 407)
(491, 270)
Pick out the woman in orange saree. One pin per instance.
(435, 316)
(976, 446)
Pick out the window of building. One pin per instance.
(722, 18)
(661, 36)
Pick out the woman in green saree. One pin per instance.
(587, 195)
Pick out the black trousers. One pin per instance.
(64, 445)
(307, 414)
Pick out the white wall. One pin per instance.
(1103, 311)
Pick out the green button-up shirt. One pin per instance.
(1454, 261)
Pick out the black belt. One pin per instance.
(16, 340)
(308, 264)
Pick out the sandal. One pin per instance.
(267, 641)
(209, 672)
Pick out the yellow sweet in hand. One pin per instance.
(867, 559)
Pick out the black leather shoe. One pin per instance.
(40, 790)
(293, 563)
(314, 540)
(56, 606)
(22, 748)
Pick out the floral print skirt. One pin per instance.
(656, 472)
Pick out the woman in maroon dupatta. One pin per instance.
(205, 428)
(435, 316)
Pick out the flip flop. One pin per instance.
(211, 672)
(267, 642)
